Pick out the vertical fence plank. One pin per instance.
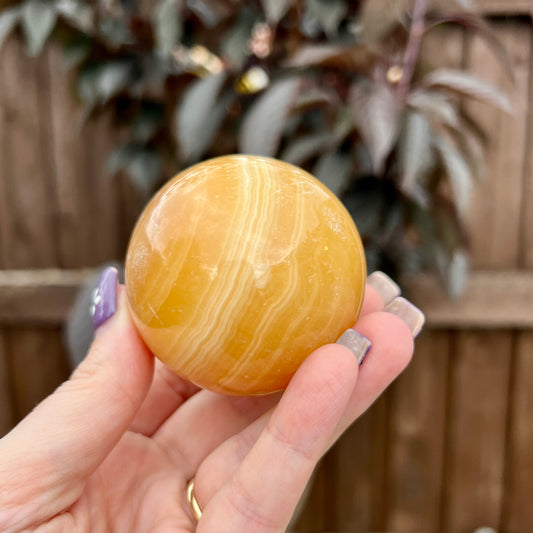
(6, 409)
(360, 472)
(494, 219)
(313, 514)
(86, 195)
(477, 429)
(27, 222)
(39, 365)
(518, 511)
(418, 418)
(526, 259)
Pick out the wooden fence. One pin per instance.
(449, 447)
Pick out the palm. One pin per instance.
(141, 484)
(138, 488)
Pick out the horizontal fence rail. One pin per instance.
(491, 300)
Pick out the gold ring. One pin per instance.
(193, 502)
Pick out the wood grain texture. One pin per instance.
(526, 243)
(494, 220)
(313, 514)
(6, 407)
(38, 365)
(476, 436)
(492, 299)
(27, 224)
(518, 511)
(86, 196)
(41, 296)
(505, 7)
(416, 437)
(360, 455)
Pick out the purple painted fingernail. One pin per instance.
(357, 343)
(104, 302)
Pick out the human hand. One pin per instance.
(115, 446)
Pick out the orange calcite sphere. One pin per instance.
(239, 268)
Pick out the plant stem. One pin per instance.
(413, 48)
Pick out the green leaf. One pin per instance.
(466, 84)
(9, 18)
(415, 154)
(475, 150)
(197, 117)
(210, 12)
(38, 21)
(376, 113)
(435, 106)
(98, 83)
(77, 50)
(457, 273)
(144, 170)
(263, 125)
(115, 32)
(275, 10)
(453, 264)
(234, 45)
(346, 58)
(78, 13)
(316, 96)
(458, 172)
(168, 25)
(114, 77)
(329, 14)
(121, 156)
(148, 122)
(373, 204)
(299, 150)
(142, 164)
(334, 171)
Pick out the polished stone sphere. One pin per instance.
(239, 268)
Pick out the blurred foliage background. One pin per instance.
(338, 87)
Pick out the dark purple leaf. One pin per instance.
(263, 124)
(334, 170)
(376, 113)
(79, 13)
(328, 13)
(415, 155)
(167, 25)
(275, 10)
(346, 58)
(38, 21)
(435, 106)
(9, 18)
(458, 171)
(304, 147)
(197, 116)
(466, 84)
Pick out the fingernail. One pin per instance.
(357, 343)
(387, 289)
(408, 312)
(104, 302)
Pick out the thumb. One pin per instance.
(66, 437)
